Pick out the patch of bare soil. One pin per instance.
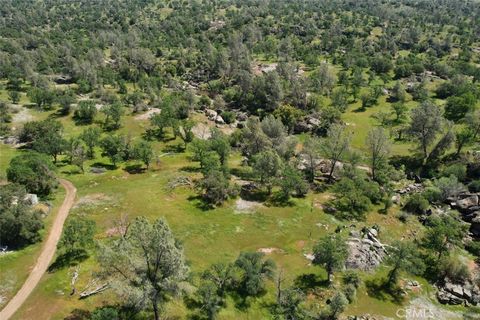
(245, 206)
(91, 200)
(147, 115)
(269, 250)
(202, 131)
(21, 115)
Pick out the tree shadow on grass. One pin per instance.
(174, 148)
(242, 172)
(68, 259)
(412, 163)
(379, 289)
(190, 169)
(200, 203)
(279, 200)
(104, 165)
(72, 171)
(135, 168)
(310, 281)
(256, 195)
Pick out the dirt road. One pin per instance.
(46, 255)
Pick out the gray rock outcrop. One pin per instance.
(452, 293)
(365, 252)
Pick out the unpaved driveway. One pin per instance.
(46, 255)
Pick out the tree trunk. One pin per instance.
(332, 169)
(459, 149)
(156, 312)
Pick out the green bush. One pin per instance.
(474, 186)
(33, 170)
(19, 222)
(432, 194)
(352, 278)
(455, 270)
(416, 204)
(458, 170)
(228, 116)
(473, 247)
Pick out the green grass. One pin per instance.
(208, 236)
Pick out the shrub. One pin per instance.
(454, 269)
(19, 222)
(416, 204)
(352, 278)
(432, 194)
(228, 116)
(458, 170)
(473, 247)
(350, 293)
(474, 186)
(33, 170)
(449, 186)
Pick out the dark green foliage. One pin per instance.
(219, 143)
(33, 170)
(36, 130)
(292, 181)
(331, 252)
(14, 96)
(404, 257)
(105, 313)
(113, 114)
(255, 270)
(416, 204)
(85, 112)
(143, 151)
(443, 232)
(352, 278)
(113, 148)
(91, 137)
(65, 100)
(77, 234)
(458, 106)
(208, 299)
(289, 304)
(474, 186)
(159, 266)
(353, 197)
(43, 98)
(19, 222)
(267, 166)
(5, 118)
(426, 123)
(215, 187)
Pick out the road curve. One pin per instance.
(46, 255)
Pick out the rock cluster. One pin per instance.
(309, 123)
(411, 188)
(365, 252)
(451, 293)
(469, 206)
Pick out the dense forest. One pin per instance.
(242, 159)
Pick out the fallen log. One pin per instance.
(87, 293)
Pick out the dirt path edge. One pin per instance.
(46, 255)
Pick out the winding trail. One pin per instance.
(46, 255)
